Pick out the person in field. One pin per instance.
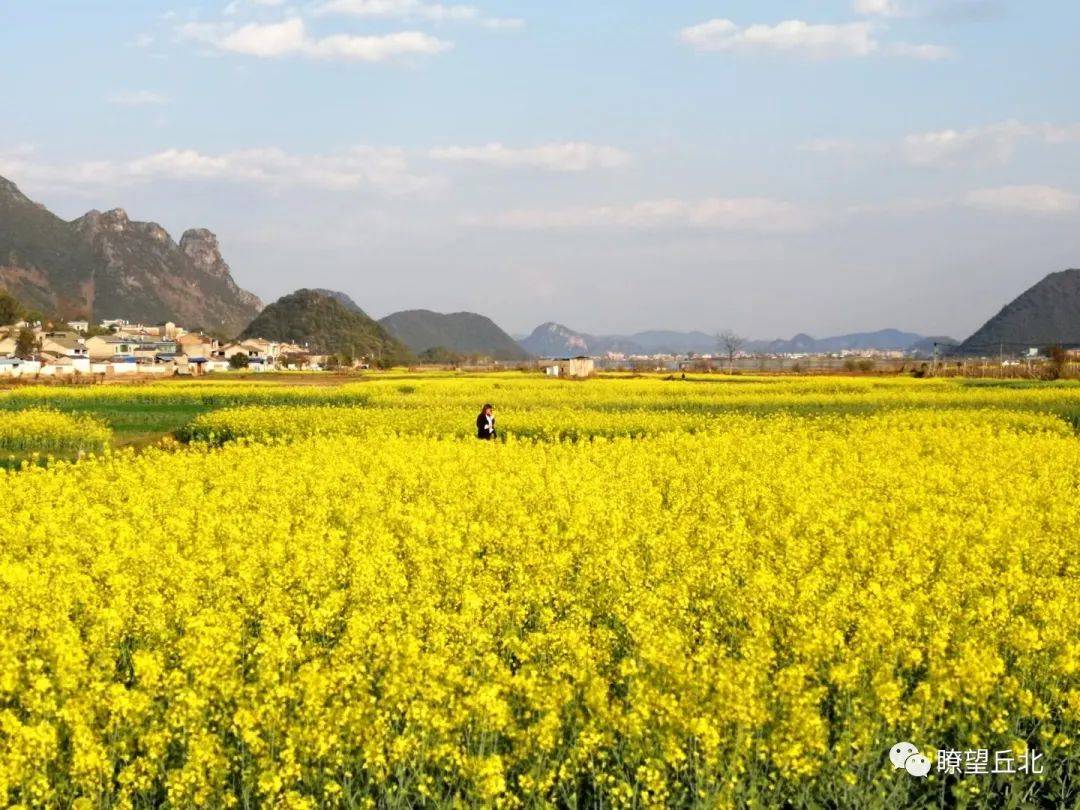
(485, 423)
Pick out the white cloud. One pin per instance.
(415, 10)
(291, 38)
(395, 9)
(992, 144)
(377, 48)
(955, 10)
(978, 146)
(792, 36)
(269, 40)
(950, 147)
(1035, 199)
(385, 170)
(136, 98)
(755, 214)
(798, 38)
(881, 8)
(557, 157)
(236, 5)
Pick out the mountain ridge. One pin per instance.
(552, 339)
(1046, 313)
(342, 298)
(106, 265)
(878, 340)
(324, 325)
(464, 333)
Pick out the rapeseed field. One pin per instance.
(648, 593)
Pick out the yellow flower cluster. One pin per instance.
(515, 391)
(40, 430)
(356, 605)
(554, 423)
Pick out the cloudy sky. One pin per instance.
(768, 166)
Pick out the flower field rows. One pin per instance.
(265, 423)
(40, 430)
(809, 395)
(730, 594)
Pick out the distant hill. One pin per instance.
(665, 342)
(882, 340)
(104, 265)
(325, 326)
(1041, 316)
(464, 333)
(555, 340)
(343, 299)
(802, 343)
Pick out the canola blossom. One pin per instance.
(40, 430)
(513, 392)
(340, 599)
(552, 423)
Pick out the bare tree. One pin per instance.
(730, 344)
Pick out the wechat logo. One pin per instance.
(905, 755)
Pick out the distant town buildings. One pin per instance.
(120, 347)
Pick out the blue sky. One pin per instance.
(770, 167)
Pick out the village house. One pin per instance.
(214, 364)
(297, 359)
(106, 347)
(165, 349)
(263, 355)
(196, 345)
(577, 367)
(64, 366)
(253, 348)
(132, 331)
(63, 344)
(16, 367)
(267, 349)
(120, 364)
(111, 347)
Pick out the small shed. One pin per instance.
(579, 367)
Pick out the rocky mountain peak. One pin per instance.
(105, 265)
(555, 340)
(115, 220)
(9, 189)
(156, 232)
(95, 222)
(201, 246)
